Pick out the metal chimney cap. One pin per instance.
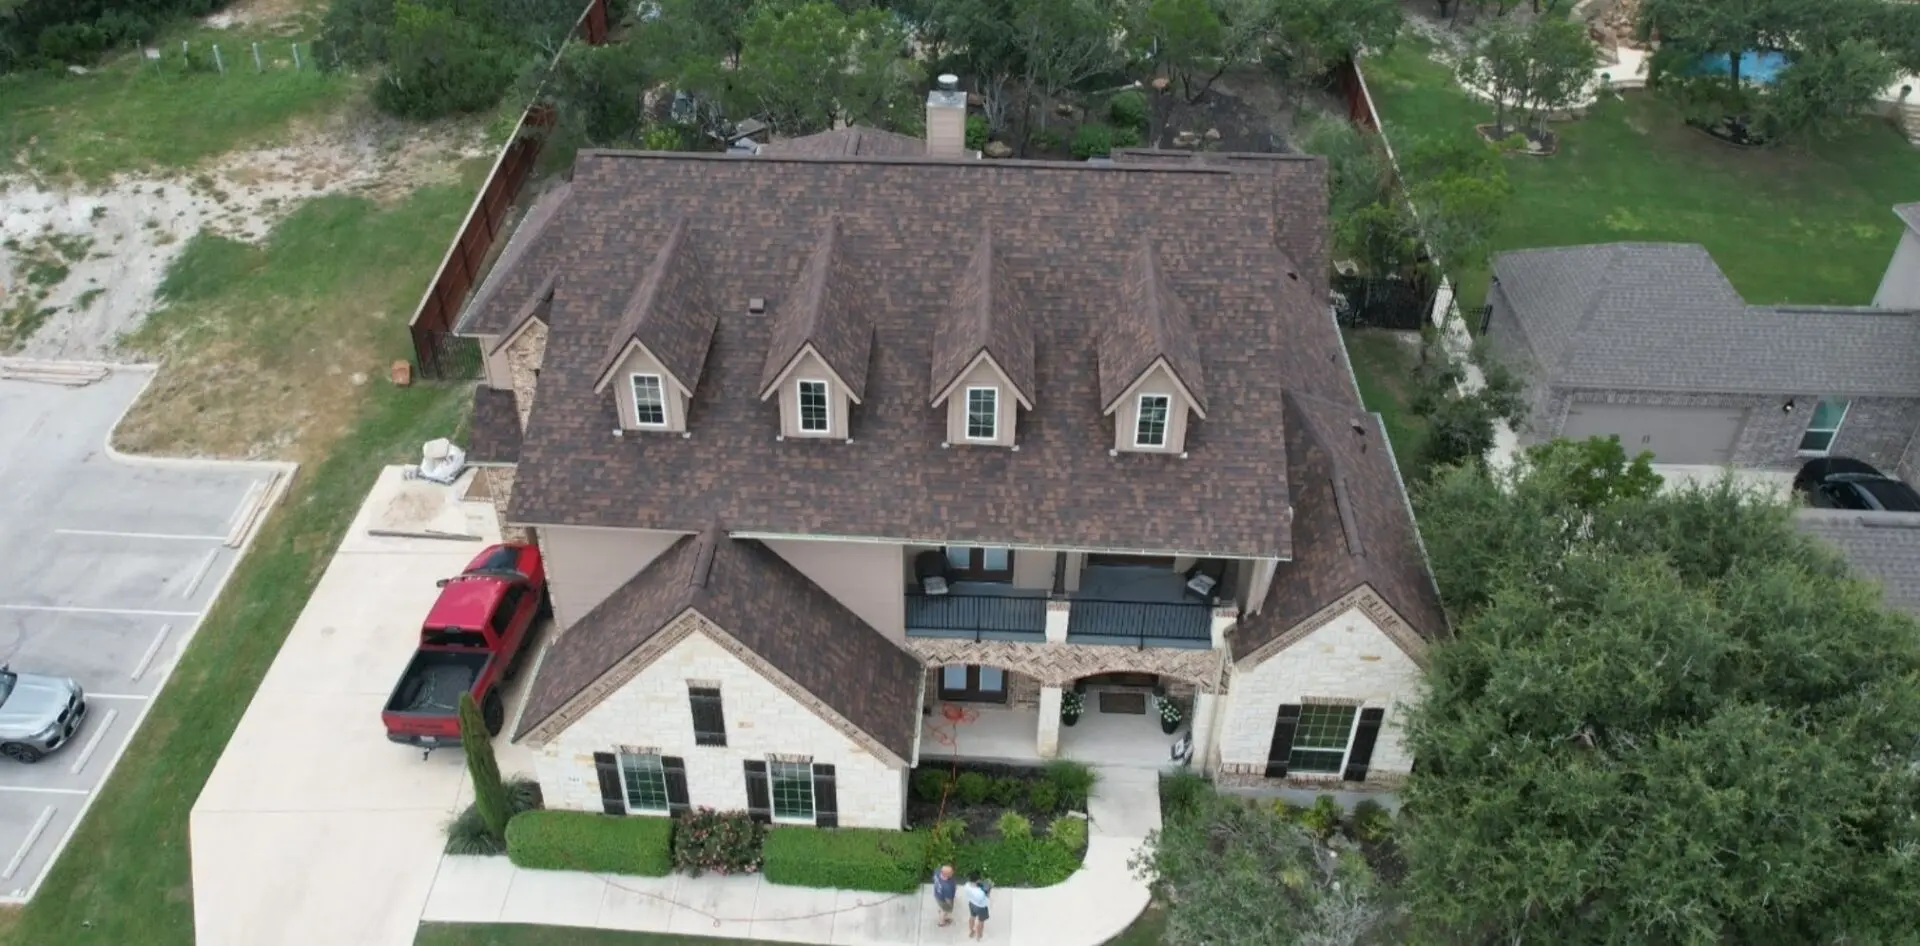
(949, 82)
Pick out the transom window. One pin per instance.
(1150, 426)
(792, 791)
(645, 778)
(980, 564)
(983, 413)
(815, 416)
(649, 401)
(1321, 739)
(1824, 426)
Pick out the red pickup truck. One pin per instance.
(471, 642)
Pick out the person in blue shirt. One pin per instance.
(978, 892)
(943, 892)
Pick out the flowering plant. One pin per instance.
(1169, 711)
(725, 842)
(1072, 704)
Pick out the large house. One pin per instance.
(1651, 343)
(860, 453)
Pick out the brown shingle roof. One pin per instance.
(495, 437)
(827, 309)
(1149, 324)
(522, 270)
(852, 141)
(987, 315)
(766, 604)
(670, 312)
(1351, 526)
(1064, 232)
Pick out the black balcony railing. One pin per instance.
(978, 617)
(1140, 623)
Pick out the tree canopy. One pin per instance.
(1665, 718)
(1537, 69)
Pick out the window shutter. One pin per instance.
(759, 798)
(1363, 739)
(613, 797)
(676, 769)
(1282, 748)
(826, 802)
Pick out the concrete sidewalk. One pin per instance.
(1089, 908)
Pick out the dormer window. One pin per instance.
(649, 401)
(816, 413)
(1150, 426)
(983, 413)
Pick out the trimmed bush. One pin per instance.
(1128, 110)
(1371, 822)
(847, 858)
(929, 784)
(1014, 826)
(577, 840)
(1022, 862)
(976, 132)
(1182, 794)
(1069, 832)
(725, 842)
(1044, 796)
(1008, 791)
(1073, 780)
(468, 834)
(1324, 817)
(972, 788)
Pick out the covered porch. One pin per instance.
(1118, 727)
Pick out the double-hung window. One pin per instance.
(709, 718)
(649, 401)
(1321, 739)
(1824, 426)
(983, 413)
(815, 413)
(792, 784)
(1150, 424)
(645, 778)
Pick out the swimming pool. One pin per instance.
(1757, 66)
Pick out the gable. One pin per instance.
(1352, 615)
(1157, 379)
(982, 372)
(807, 365)
(638, 360)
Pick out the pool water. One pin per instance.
(1757, 66)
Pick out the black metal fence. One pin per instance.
(1390, 302)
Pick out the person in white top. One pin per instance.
(978, 894)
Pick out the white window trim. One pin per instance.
(967, 414)
(1833, 434)
(773, 807)
(1346, 754)
(633, 387)
(1166, 425)
(626, 796)
(799, 400)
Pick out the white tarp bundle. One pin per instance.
(440, 462)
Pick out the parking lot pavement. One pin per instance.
(113, 560)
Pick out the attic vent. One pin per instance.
(756, 306)
(1348, 524)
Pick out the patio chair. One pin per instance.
(930, 569)
(1205, 578)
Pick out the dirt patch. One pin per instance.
(270, 14)
(1245, 111)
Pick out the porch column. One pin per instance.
(1224, 618)
(1047, 741)
(1206, 706)
(1058, 610)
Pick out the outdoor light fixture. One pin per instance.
(1787, 408)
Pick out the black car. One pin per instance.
(1846, 483)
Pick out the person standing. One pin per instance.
(943, 892)
(979, 893)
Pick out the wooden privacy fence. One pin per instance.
(438, 353)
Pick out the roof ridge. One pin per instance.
(814, 316)
(986, 316)
(640, 307)
(1150, 314)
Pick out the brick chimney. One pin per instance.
(947, 119)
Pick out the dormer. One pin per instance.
(1150, 375)
(983, 355)
(654, 360)
(822, 340)
(523, 347)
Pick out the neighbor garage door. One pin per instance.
(1690, 435)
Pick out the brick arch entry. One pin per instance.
(1059, 665)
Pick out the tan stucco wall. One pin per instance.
(1126, 414)
(863, 576)
(982, 375)
(497, 372)
(640, 361)
(585, 565)
(1033, 568)
(810, 368)
(1900, 287)
(651, 712)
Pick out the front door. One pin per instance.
(973, 684)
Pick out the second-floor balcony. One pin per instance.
(978, 611)
(1114, 605)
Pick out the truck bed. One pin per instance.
(434, 680)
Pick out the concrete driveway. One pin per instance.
(114, 559)
(313, 829)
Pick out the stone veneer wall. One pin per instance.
(495, 485)
(650, 713)
(1060, 664)
(523, 364)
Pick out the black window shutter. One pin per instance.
(613, 797)
(676, 769)
(826, 801)
(759, 799)
(1282, 748)
(1363, 739)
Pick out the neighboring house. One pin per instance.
(1881, 546)
(747, 403)
(1650, 342)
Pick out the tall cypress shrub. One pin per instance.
(489, 793)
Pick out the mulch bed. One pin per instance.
(1540, 144)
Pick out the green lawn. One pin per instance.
(1144, 932)
(1383, 363)
(1805, 223)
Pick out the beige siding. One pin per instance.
(1126, 414)
(584, 565)
(499, 372)
(809, 367)
(1348, 658)
(1033, 568)
(863, 576)
(983, 374)
(640, 361)
(651, 712)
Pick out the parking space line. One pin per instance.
(36, 790)
(153, 650)
(136, 612)
(99, 733)
(142, 535)
(200, 574)
(33, 836)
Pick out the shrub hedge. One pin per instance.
(578, 840)
(847, 858)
